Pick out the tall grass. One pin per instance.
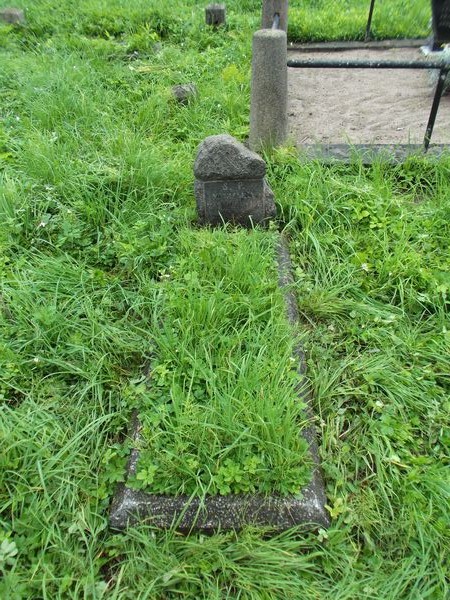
(222, 413)
(332, 20)
(95, 190)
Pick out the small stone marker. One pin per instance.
(13, 16)
(230, 185)
(184, 92)
(215, 14)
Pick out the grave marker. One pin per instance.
(230, 184)
(215, 15)
(184, 92)
(13, 16)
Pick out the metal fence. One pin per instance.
(268, 118)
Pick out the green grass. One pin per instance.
(222, 413)
(318, 20)
(97, 209)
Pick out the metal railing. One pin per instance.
(275, 18)
(442, 66)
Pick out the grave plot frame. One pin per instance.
(211, 514)
(228, 164)
(268, 134)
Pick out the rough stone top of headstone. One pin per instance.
(223, 157)
(12, 15)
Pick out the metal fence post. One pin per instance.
(268, 107)
(368, 34)
(271, 8)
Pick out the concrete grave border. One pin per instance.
(369, 153)
(217, 513)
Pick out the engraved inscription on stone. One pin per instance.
(231, 196)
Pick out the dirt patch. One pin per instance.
(364, 106)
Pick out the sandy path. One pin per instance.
(363, 106)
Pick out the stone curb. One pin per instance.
(369, 153)
(218, 513)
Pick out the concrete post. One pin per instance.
(268, 107)
(215, 14)
(270, 8)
